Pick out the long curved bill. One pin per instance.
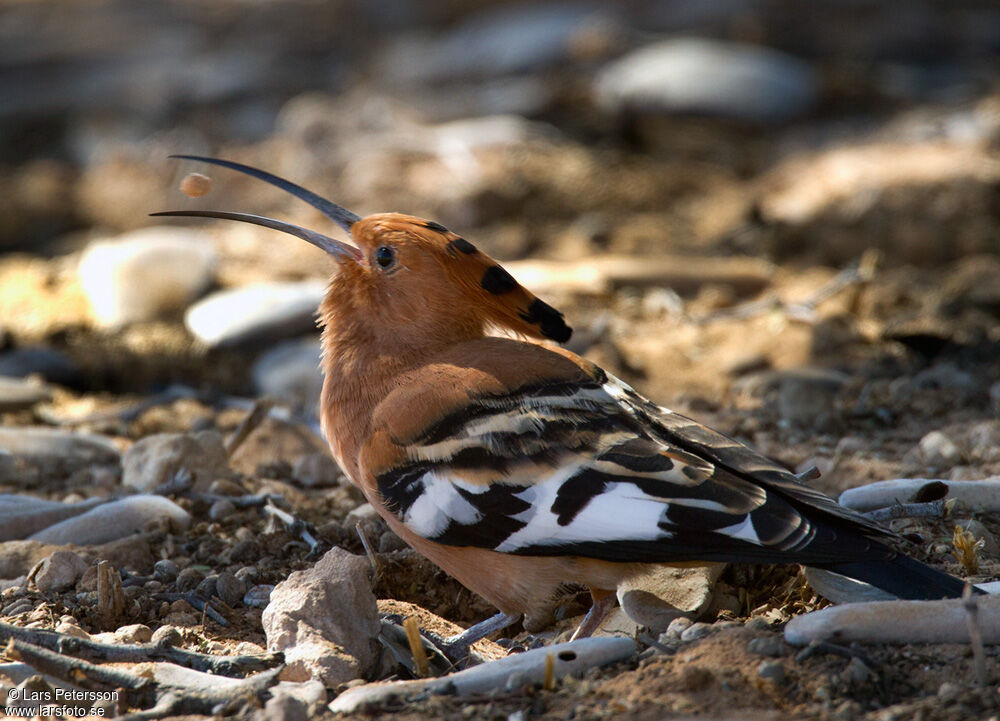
(334, 247)
(341, 216)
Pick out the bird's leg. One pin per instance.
(604, 601)
(457, 647)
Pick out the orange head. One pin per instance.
(405, 285)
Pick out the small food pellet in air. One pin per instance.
(195, 185)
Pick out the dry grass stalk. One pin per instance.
(549, 682)
(416, 646)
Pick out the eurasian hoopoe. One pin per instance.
(519, 467)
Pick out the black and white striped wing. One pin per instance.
(596, 470)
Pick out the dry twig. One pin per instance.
(975, 634)
(88, 650)
(249, 424)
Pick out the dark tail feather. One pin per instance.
(902, 576)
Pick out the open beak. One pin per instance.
(341, 216)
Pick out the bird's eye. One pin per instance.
(385, 256)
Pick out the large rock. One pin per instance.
(325, 620)
(263, 311)
(708, 77)
(156, 459)
(143, 274)
(116, 520)
(658, 596)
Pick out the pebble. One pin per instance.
(207, 588)
(189, 578)
(281, 708)
(979, 530)
(60, 571)
(325, 620)
(165, 571)
(766, 646)
(156, 459)
(290, 371)
(258, 596)
(196, 185)
(572, 658)
(694, 75)
(658, 596)
(221, 509)
(696, 631)
(995, 398)
(757, 623)
(167, 635)
(895, 622)
(115, 520)
(141, 275)
(939, 450)
(677, 627)
(248, 574)
(984, 495)
(316, 470)
(71, 627)
(20, 516)
(136, 633)
(364, 513)
(857, 671)
(19, 393)
(772, 670)
(229, 588)
(263, 311)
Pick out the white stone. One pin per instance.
(983, 496)
(115, 520)
(141, 275)
(693, 75)
(255, 312)
(896, 622)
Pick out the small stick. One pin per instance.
(248, 425)
(416, 646)
(975, 634)
(933, 509)
(817, 647)
(368, 546)
(294, 525)
(549, 682)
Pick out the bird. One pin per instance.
(519, 467)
